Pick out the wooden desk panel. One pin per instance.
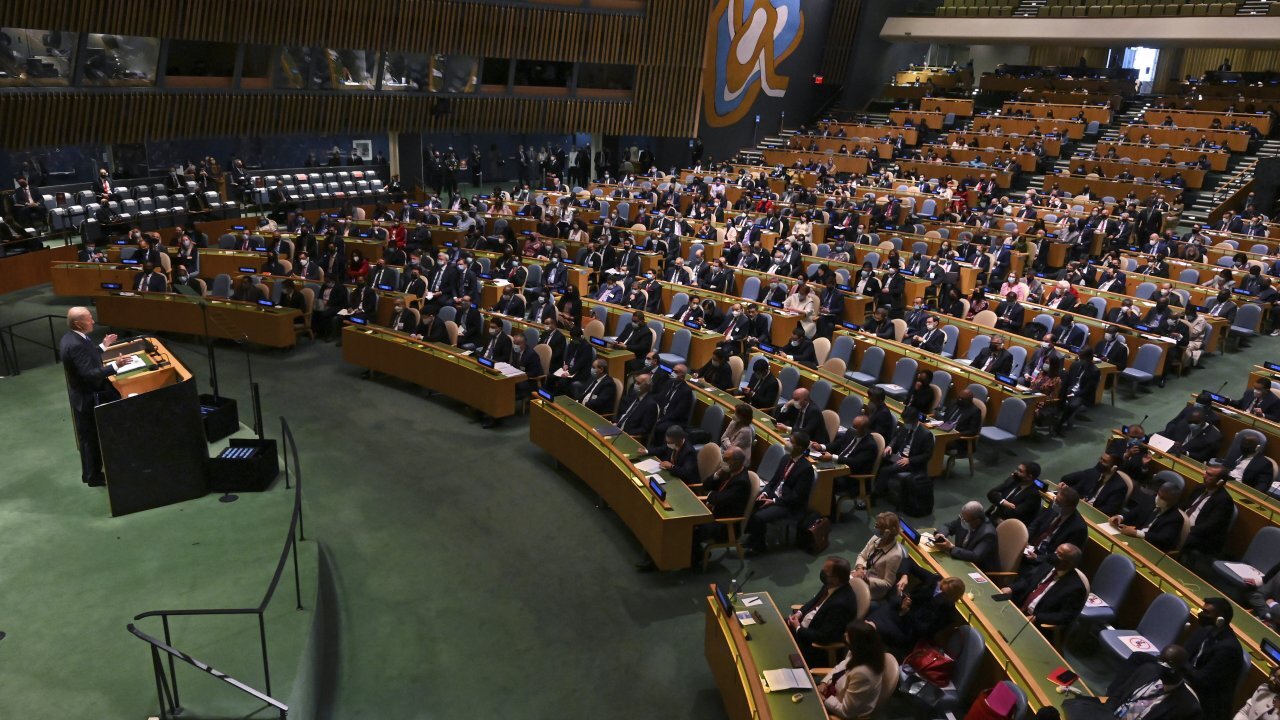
(843, 163)
(990, 141)
(1003, 178)
(433, 366)
(566, 431)
(1072, 98)
(227, 319)
(1203, 119)
(1092, 113)
(1026, 161)
(1113, 188)
(1072, 129)
(955, 106)
(930, 120)
(214, 262)
(86, 279)
(1236, 140)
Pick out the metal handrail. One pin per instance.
(8, 347)
(167, 683)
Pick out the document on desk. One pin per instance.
(1160, 442)
(128, 363)
(507, 369)
(1109, 529)
(752, 600)
(1247, 572)
(787, 679)
(650, 466)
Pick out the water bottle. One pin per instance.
(733, 591)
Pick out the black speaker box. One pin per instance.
(220, 415)
(252, 473)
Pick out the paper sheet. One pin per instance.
(649, 466)
(1109, 529)
(787, 679)
(1160, 442)
(1245, 571)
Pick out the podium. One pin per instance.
(152, 438)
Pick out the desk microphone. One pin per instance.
(1016, 635)
(1143, 420)
(1220, 387)
(745, 579)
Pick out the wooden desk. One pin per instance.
(991, 141)
(738, 657)
(940, 77)
(929, 120)
(1193, 176)
(1015, 84)
(616, 358)
(1097, 328)
(850, 144)
(955, 106)
(781, 324)
(1073, 129)
(1156, 575)
(1203, 119)
(227, 319)
(1003, 178)
(961, 374)
(214, 262)
(767, 434)
(1073, 98)
(856, 307)
(1101, 187)
(87, 279)
(434, 366)
(701, 345)
(566, 430)
(1026, 160)
(1236, 140)
(1217, 159)
(842, 163)
(1014, 651)
(1092, 113)
(910, 136)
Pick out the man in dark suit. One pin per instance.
(1111, 350)
(855, 449)
(974, 538)
(600, 391)
(1157, 685)
(1059, 523)
(150, 280)
(674, 400)
(786, 496)
(1221, 306)
(677, 456)
(994, 358)
(497, 346)
(963, 416)
(932, 339)
(511, 303)
(639, 410)
(573, 370)
(430, 328)
(1259, 400)
(1209, 510)
(1017, 498)
(762, 387)
(1010, 314)
(823, 619)
(105, 189)
(401, 319)
(1079, 388)
(1215, 659)
(917, 318)
(636, 337)
(1054, 594)
(1099, 485)
(470, 325)
(552, 337)
(1159, 522)
(87, 387)
(1249, 466)
(1195, 436)
(799, 413)
(906, 455)
(727, 497)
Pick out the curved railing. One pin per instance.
(163, 650)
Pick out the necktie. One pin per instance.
(1038, 591)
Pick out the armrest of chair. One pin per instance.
(729, 520)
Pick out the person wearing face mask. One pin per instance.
(1159, 522)
(639, 410)
(1194, 436)
(785, 496)
(1249, 465)
(511, 303)
(1222, 306)
(1215, 658)
(497, 346)
(830, 308)
(800, 414)
(973, 538)
(728, 492)
(600, 391)
(677, 456)
(1063, 297)
(880, 564)
(822, 620)
(800, 349)
(1101, 485)
(675, 400)
(892, 290)
(1010, 314)
(636, 337)
(734, 331)
(804, 303)
(1264, 703)
(761, 387)
(1111, 349)
(690, 313)
(717, 371)
(1209, 510)
(906, 459)
(867, 283)
(1017, 498)
(1142, 690)
(1059, 523)
(1260, 401)
(1040, 358)
(1054, 594)
(994, 358)
(932, 339)
(917, 318)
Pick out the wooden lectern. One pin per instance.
(152, 438)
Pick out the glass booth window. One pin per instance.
(293, 68)
(348, 69)
(494, 72)
(459, 74)
(195, 58)
(543, 73)
(603, 76)
(120, 60)
(405, 72)
(36, 57)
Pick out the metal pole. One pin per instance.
(257, 411)
(173, 675)
(266, 663)
(297, 582)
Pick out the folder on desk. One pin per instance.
(787, 679)
(607, 431)
(1160, 442)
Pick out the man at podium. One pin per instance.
(88, 387)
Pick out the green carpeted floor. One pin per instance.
(471, 577)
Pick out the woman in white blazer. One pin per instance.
(852, 689)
